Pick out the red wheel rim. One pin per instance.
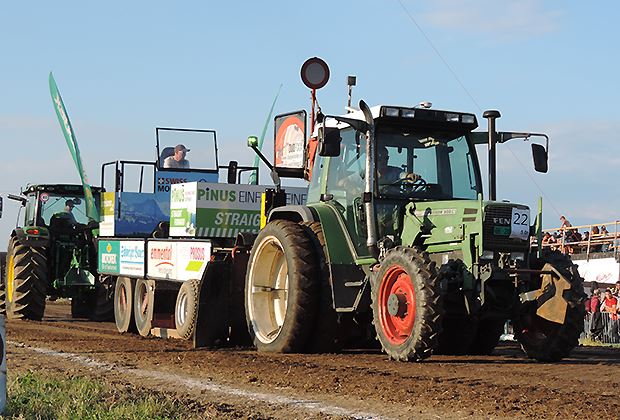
(396, 305)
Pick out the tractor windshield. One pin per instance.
(57, 204)
(425, 165)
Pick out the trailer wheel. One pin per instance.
(282, 287)
(123, 305)
(143, 299)
(548, 341)
(406, 304)
(186, 308)
(26, 281)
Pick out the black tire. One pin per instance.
(143, 300)
(123, 305)
(405, 336)
(26, 280)
(544, 340)
(327, 336)
(103, 300)
(3, 259)
(459, 328)
(82, 304)
(186, 308)
(286, 326)
(487, 336)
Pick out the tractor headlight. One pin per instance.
(407, 113)
(468, 119)
(517, 256)
(390, 112)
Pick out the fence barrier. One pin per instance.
(603, 327)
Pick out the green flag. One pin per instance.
(67, 130)
(253, 179)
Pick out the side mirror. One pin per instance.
(539, 153)
(232, 172)
(329, 141)
(252, 142)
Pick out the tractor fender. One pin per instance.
(28, 240)
(294, 213)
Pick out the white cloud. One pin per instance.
(506, 19)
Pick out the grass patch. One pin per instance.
(594, 343)
(36, 395)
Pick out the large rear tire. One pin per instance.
(282, 288)
(26, 281)
(327, 336)
(143, 300)
(123, 305)
(103, 310)
(186, 308)
(544, 340)
(406, 304)
(459, 326)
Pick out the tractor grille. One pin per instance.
(494, 236)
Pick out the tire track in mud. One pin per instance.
(174, 380)
(502, 385)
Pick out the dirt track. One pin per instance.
(243, 383)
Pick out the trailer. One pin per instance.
(177, 250)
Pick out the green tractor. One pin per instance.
(396, 236)
(52, 253)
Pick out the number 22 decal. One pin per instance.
(520, 219)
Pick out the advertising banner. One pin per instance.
(132, 258)
(161, 261)
(220, 210)
(109, 257)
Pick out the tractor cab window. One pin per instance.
(425, 165)
(31, 208)
(50, 205)
(345, 182)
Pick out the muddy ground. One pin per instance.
(241, 383)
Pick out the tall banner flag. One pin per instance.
(67, 130)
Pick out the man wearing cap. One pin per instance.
(177, 161)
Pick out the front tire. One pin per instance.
(26, 281)
(282, 288)
(406, 304)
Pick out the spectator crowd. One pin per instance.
(602, 311)
(569, 240)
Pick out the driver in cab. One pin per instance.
(390, 175)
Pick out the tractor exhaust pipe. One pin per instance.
(491, 116)
(369, 208)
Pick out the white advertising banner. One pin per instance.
(161, 260)
(602, 270)
(192, 259)
(132, 258)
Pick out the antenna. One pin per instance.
(350, 83)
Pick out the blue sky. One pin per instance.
(126, 67)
